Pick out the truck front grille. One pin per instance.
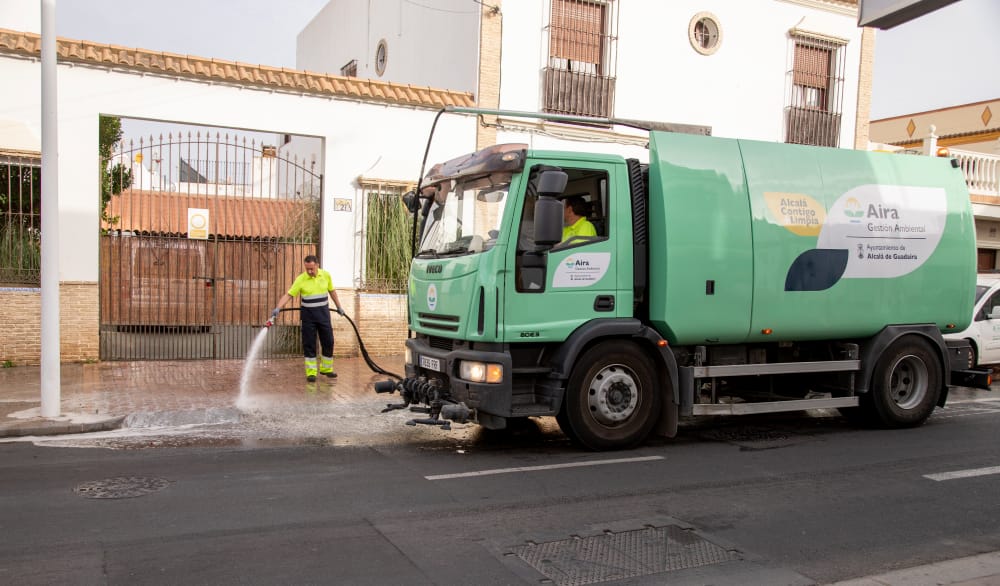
(445, 344)
(437, 321)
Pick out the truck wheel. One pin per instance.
(973, 355)
(610, 401)
(906, 383)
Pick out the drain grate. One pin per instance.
(617, 556)
(121, 487)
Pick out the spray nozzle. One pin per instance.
(268, 323)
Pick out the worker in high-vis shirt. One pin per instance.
(315, 286)
(575, 222)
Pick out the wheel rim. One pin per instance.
(908, 381)
(613, 394)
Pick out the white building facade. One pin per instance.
(773, 70)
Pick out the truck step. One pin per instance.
(771, 406)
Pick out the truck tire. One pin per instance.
(610, 400)
(906, 383)
(973, 354)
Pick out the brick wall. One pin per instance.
(382, 322)
(21, 314)
(381, 319)
(488, 94)
(862, 125)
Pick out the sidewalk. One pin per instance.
(99, 397)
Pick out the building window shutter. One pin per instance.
(579, 78)
(813, 113)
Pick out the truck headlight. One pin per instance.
(407, 355)
(480, 372)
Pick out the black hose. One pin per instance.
(364, 352)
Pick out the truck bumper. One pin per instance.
(977, 378)
(442, 366)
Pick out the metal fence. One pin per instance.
(386, 229)
(20, 219)
(197, 250)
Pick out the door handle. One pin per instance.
(604, 303)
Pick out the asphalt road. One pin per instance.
(779, 499)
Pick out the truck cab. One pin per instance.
(490, 301)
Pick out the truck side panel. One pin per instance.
(699, 235)
(846, 242)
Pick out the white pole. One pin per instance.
(50, 381)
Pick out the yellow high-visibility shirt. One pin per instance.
(314, 290)
(582, 227)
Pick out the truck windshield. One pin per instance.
(464, 217)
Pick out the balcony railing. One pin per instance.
(982, 171)
(814, 127)
(578, 94)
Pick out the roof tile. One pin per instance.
(24, 43)
(160, 212)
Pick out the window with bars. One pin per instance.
(813, 114)
(387, 231)
(20, 219)
(350, 69)
(579, 78)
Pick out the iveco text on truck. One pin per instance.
(726, 277)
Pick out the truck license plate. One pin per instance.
(430, 363)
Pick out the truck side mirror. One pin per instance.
(552, 182)
(548, 220)
(411, 201)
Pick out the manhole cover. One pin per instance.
(121, 487)
(617, 556)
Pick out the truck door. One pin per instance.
(549, 293)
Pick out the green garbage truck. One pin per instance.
(724, 277)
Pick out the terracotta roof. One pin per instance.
(275, 78)
(166, 213)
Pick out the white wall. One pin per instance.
(430, 43)
(355, 134)
(740, 90)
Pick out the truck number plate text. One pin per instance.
(431, 363)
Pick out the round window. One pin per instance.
(381, 56)
(705, 33)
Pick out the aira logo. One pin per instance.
(432, 297)
(434, 269)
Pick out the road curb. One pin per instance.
(977, 570)
(42, 427)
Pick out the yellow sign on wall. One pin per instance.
(197, 223)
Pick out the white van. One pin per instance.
(984, 331)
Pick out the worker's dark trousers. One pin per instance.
(316, 320)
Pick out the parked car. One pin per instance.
(984, 331)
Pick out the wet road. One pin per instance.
(315, 492)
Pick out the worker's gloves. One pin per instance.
(274, 314)
(340, 311)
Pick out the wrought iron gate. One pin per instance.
(201, 245)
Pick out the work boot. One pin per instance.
(331, 374)
(311, 378)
